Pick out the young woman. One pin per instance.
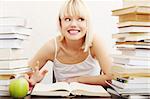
(77, 54)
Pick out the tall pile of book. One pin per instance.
(13, 61)
(131, 66)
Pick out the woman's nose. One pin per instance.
(73, 23)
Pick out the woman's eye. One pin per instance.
(67, 19)
(80, 19)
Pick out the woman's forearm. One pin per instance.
(100, 79)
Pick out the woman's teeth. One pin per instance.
(73, 32)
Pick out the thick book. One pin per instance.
(15, 29)
(130, 91)
(6, 77)
(136, 41)
(135, 52)
(13, 36)
(15, 71)
(131, 34)
(12, 21)
(134, 17)
(127, 46)
(118, 68)
(4, 93)
(130, 57)
(65, 89)
(131, 60)
(133, 80)
(11, 43)
(4, 87)
(132, 23)
(130, 85)
(134, 29)
(122, 74)
(5, 82)
(13, 63)
(12, 53)
(133, 9)
(147, 40)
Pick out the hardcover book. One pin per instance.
(65, 89)
(134, 17)
(133, 9)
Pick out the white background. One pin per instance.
(42, 15)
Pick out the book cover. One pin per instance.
(127, 46)
(4, 88)
(131, 34)
(12, 53)
(11, 43)
(130, 85)
(65, 89)
(130, 91)
(130, 57)
(133, 9)
(134, 29)
(132, 42)
(15, 71)
(137, 40)
(132, 23)
(13, 63)
(128, 69)
(131, 60)
(132, 80)
(135, 52)
(13, 36)
(134, 17)
(147, 40)
(5, 82)
(15, 29)
(4, 93)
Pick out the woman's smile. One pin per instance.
(73, 31)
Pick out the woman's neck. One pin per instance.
(74, 44)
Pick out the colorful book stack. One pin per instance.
(131, 66)
(13, 61)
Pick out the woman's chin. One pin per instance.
(75, 38)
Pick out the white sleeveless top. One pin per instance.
(88, 67)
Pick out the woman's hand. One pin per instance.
(36, 75)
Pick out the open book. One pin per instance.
(65, 89)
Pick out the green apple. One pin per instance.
(19, 88)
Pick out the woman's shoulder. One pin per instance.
(53, 41)
(49, 47)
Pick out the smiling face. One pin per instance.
(73, 27)
(74, 22)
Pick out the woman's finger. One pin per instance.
(36, 69)
(44, 72)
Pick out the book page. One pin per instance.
(55, 89)
(88, 90)
(86, 87)
(51, 87)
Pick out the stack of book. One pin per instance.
(13, 61)
(131, 67)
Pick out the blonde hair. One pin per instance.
(77, 7)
